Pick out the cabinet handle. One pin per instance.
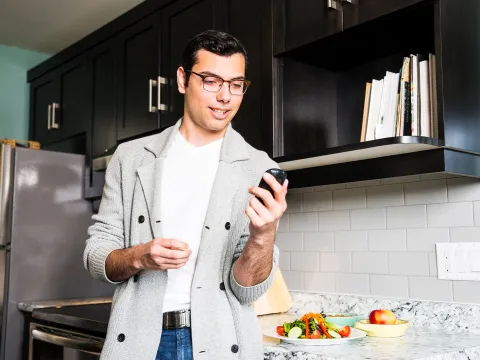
(49, 116)
(332, 4)
(54, 107)
(151, 84)
(161, 80)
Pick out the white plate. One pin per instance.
(355, 334)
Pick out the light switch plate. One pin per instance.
(458, 261)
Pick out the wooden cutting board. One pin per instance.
(276, 300)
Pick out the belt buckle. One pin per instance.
(176, 319)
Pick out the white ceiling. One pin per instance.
(49, 26)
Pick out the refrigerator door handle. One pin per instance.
(6, 164)
(86, 344)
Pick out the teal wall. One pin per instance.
(14, 94)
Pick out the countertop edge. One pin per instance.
(30, 306)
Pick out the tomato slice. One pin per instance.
(316, 335)
(280, 330)
(345, 331)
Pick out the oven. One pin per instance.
(47, 342)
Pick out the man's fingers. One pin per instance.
(172, 243)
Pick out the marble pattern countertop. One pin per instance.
(416, 344)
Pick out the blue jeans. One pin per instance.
(175, 344)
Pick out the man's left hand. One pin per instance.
(264, 218)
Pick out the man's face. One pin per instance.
(212, 111)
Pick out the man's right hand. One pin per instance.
(162, 254)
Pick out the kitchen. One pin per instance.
(369, 225)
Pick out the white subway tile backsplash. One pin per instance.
(401, 179)
(432, 261)
(295, 280)
(359, 184)
(353, 284)
(463, 189)
(289, 241)
(335, 262)
(320, 282)
(294, 202)
(330, 187)
(351, 241)
(425, 239)
(366, 219)
(334, 220)
(450, 214)
(408, 264)
(466, 291)
(387, 240)
(385, 195)
(283, 224)
(378, 237)
(319, 241)
(402, 217)
(426, 192)
(303, 221)
(476, 206)
(349, 199)
(465, 234)
(317, 201)
(428, 288)
(284, 261)
(389, 285)
(305, 261)
(370, 263)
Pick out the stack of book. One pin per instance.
(403, 103)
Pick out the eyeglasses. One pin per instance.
(214, 83)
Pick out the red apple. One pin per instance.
(383, 317)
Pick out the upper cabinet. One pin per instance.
(359, 11)
(138, 78)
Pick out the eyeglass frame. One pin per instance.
(204, 76)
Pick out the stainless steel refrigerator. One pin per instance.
(43, 228)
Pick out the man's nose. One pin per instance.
(224, 93)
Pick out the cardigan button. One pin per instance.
(135, 278)
(222, 286)
(235, 348)
(227, 225)
(141, 219)
(121, 337)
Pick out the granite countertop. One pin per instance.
(416, 344)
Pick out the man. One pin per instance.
(180, 230)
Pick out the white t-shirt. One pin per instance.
(187, 181)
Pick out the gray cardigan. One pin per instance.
(222, 316)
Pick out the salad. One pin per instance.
(312, 326)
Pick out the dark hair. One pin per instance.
(214, 41)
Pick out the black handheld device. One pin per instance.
(278, 174)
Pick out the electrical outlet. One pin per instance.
(458, 261)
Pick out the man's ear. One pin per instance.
(181, 79)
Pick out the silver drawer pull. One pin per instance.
(49, 116)
(163, 107)
(151, 84)
(82, 345)
(55, 106)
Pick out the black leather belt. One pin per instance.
(176, 319)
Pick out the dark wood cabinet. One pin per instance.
(59, 104)
(137, 76)
(361, 11)
(309, 20)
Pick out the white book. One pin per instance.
(374, 110)
(382, 116)
(425, 122)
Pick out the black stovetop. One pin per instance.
(92, 317)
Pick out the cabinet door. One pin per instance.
(180, 22)
(138, 66)
(360, 11)
(309, 20)
(43, 93)
(102, 135)
(254, 120)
